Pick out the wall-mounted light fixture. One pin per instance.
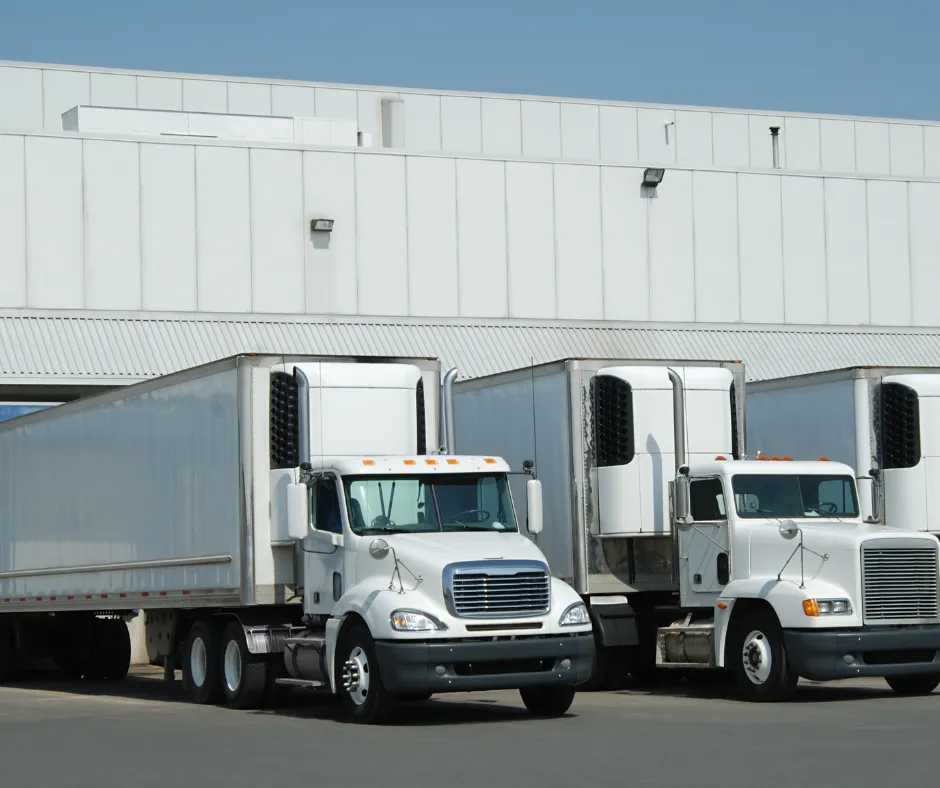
(653, 176)
(321, 225)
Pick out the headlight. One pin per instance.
(574, 615)
(414, 621)
(827, 607)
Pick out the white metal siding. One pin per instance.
(578, 265)
(112, 222)
(167, 197)
(530, 213)
(55, 231)
(223, 230)
(481, 238)
(925, 253)
(331, 269)
(33, 98)
(846, 252)
(12, 221)
(514, 238)
(804, 251)
(717, 290)
(888, 253)
(760, 220)
(432, 237)
(382, 235)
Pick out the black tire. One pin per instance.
(757, 656)
(368, 702)
(118, 659)
(202, 662)
(7, 655)
(913, 685)
(244, 675)
(548, 701)
(99, 660)
(75, 644)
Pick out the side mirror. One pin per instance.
(789, 529)
(682, 505)
(533, 499)
(298, 511)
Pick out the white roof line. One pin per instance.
(769, 113)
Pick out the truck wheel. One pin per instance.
(244, 675)
(758, 658)
(118, 657)
(6, 653)
(913, 685)
(547, 701)
(98, 661)
(201, 662)
(359, 678)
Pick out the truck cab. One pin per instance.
(783, 578)
(415, 574)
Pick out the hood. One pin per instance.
(841, 542)
(428, 554)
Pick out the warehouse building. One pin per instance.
(150, 222)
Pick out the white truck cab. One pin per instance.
(415, 569)
(798, 583)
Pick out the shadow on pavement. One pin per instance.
(148, 685)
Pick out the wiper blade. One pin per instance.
(377, 529)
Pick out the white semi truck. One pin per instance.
(692, 557)
(884, 422)
(293, 521)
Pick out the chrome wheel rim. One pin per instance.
(232, 665)
(198, 662)
(757, 657)
(356, 676)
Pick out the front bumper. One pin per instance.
(463, 666)
(821, 655)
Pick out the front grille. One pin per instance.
(899, 584)
(498, 589)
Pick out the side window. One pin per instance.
(327, 511)
(707, 500)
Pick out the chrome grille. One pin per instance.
(899, 582)
(497, 589)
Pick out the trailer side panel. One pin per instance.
(137, 496)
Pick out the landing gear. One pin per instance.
(758, 657)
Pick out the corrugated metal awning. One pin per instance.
(115, 348)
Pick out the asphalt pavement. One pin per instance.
(143, 732)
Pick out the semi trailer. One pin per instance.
(692, 557)
(281, 521)
(883, 421)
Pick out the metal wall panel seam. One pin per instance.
(554, 239)
(910, 250)
(404, 177)
(825, 225)
(737, 234)
(600, 218)
(196, 219)
(26, 250)
(84, 191)
(356, 249)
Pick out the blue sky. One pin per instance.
(865, 57)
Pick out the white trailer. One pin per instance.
(690, 556)
(292, 521)
(883, 421)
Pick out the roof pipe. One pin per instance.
(447, 429)
(303, 415)
(678, 417)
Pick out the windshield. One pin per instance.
(423, 504)
(767, 495)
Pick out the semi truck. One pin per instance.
(281, 521)
(692, 558)
(883, 421)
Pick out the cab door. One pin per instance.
(704, 557)
(323, 556)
